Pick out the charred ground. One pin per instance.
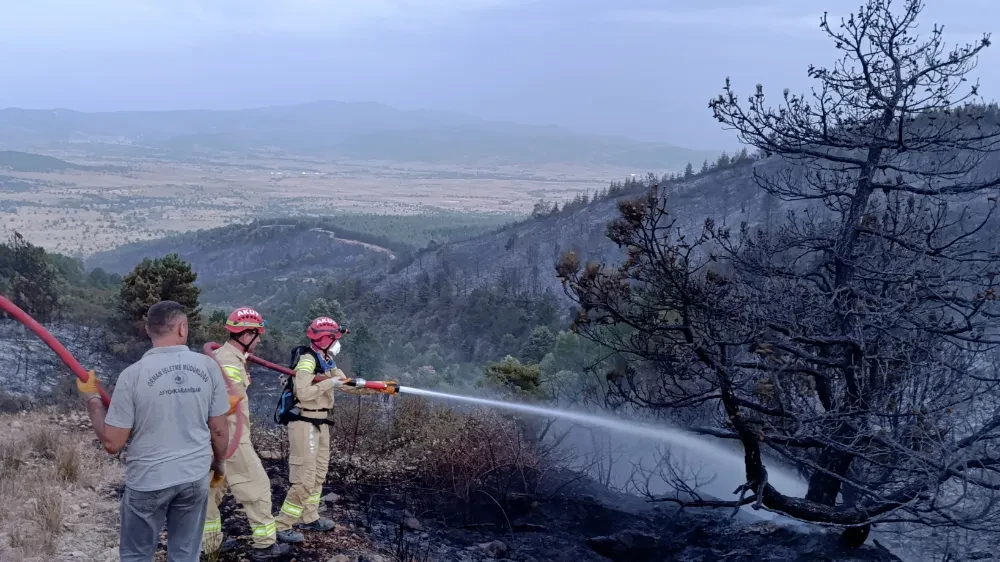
(579, 523)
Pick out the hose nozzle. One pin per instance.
(387, 387)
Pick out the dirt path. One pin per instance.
(372, 247)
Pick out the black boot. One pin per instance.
(290, 536)
(276, 550)
(320, 524)
(228, 545)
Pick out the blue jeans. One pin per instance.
(143, 514)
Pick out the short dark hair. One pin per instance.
(162, 316)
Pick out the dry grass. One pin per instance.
(68, 463)
(79, 464)
(413, 444)
(47, 514)
(12, 456)
(434, 447)
(44, 440)
(57, 477)
(18, 540)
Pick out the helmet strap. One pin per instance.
(245, 346)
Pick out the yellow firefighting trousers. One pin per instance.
(247, 480)
(308, 461)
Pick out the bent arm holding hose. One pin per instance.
(219, 428)
(305, 372)
(112, 438)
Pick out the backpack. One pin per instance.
(287, 409)
(288, 406)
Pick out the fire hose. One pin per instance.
(84, 375)
(77, 369)
(388, 387)
(21, 316)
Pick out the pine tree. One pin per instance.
(152, 281)
(328, 308)
(511, 375)
(28, 277)
(365, 351)
(539, 343)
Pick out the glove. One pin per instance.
(327, 384)
(234, 401)
(90, 389)
(218, 475)
(217, 479)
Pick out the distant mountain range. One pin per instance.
(367, 131)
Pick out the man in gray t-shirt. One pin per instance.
(166, 399)
(173, 403)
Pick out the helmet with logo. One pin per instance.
(323, 332)
(243, 319)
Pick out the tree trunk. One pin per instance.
(854, 537)
(824, 485)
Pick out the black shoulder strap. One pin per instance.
(297, 354)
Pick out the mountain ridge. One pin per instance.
(520, 256)
(358, 130)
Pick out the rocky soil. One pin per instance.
(58, 490)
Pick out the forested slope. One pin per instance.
(275, 259)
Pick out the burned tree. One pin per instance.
(856, 339)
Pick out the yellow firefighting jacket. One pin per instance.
(318, 396)
(234, 366)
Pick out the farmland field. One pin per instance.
(104, 202)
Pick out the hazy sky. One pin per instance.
(639, 68)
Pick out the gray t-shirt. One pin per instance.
(166, 399)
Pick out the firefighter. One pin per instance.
(244, 472)
(305, 407)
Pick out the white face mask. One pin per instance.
(335, 349)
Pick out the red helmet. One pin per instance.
(323, 332)
(243, 319)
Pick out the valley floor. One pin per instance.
(88, 211)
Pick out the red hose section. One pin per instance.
(21, 316)
(272, 366)
(234, 441)
(212, 346)
(374, 385)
